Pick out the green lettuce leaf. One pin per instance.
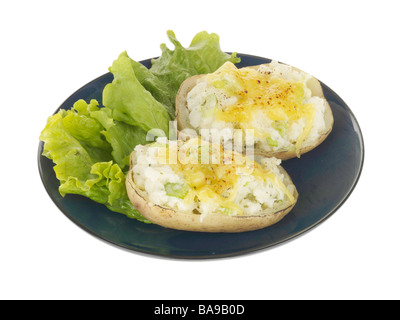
(130, 101)
(90, 145)
(122, 137)
(74, 141)
(160, 90)
(88, 131)
(204, 55)
(104, 184)
(84, 165)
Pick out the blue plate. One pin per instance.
(324, 177)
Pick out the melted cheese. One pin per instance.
(277, 98)
(214, 181)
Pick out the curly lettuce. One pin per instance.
(122, 137)
(84, 163)
(204, 55)
(130, 102)
(90, 144)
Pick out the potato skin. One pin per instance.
(182, 118)
(170, 218)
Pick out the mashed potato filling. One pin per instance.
(274, 101)
(197, 176)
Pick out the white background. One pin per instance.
(51, 48)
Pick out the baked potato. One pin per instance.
(273, 109)
(198, 186)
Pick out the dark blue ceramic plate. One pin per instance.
(324, 177)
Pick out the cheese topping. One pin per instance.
(273, 100)
(196, 175)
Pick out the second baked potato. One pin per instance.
(275, 109)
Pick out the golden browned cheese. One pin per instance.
(212, 172)
(215, 182)
(260, 93)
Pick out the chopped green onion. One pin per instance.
(281, 127)
(272, 142)
(177, 190)
(209, 105)
(226, 211)
(230, 85)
